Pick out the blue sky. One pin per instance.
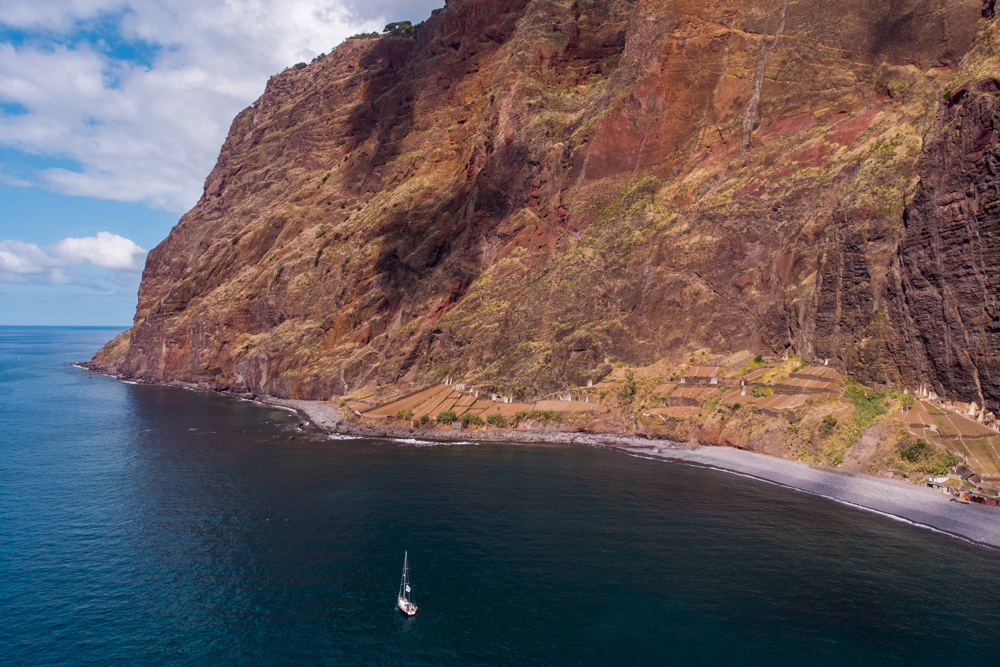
(112, 113)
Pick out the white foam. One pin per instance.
(428, 443)
(411, 441)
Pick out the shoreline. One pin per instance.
(917, 505)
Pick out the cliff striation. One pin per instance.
(526, 191)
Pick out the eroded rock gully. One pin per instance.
(529, 190)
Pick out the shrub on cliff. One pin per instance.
(539, 415)
(404, 414)
(916, 452)
(756, 362)
(402, 29)
(496, 419)
(868, 404)
(921, 457)
(627, 390)
(469, 419)
(446, 417)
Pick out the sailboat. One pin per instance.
(403, 600)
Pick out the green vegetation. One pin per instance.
(916, 452)
(365, 35)
(446, 417)
(757, 362)
(404, 414)
(631, 201)
(627, 391)
(868, 404)
(425, 420)
(711, 405)
(537, 415)
(827, 426)
(402, 29)
(885, 150)
(469, 419)
(921, 457)
(496, 419)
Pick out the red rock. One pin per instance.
(528, 190)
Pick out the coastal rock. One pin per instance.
(948, 282)
(525, 192)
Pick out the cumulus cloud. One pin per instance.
(106, 250)
(19, 258)
(24, 262)
(148, 127)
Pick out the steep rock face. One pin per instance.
(948, 281)
(529, 190)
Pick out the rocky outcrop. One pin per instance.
(948, 288)
(528, 191)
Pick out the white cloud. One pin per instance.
(106, 250)
(150, 133)
(52, 14)
(23, 262)
(20, 258)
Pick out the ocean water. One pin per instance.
(157, 526)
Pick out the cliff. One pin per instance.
(527, 191)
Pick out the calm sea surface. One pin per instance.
(157, 526)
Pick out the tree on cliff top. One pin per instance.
(402, 29)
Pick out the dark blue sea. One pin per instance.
(157, 526)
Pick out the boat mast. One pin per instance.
(402, 582)
(403, 593)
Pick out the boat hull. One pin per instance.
(406, 606)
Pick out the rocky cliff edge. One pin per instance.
(524, 192)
